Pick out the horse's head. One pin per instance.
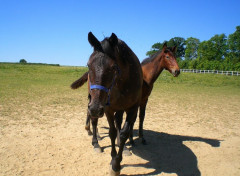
(169, 60)
(102, 73)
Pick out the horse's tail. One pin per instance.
(78, 83)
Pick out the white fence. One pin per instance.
(232, 73)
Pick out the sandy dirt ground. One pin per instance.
(198, 138)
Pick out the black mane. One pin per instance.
(123, 50)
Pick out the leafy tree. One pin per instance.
(176, 41)
(22, 61)
(234, 46)
(180, 43)
(191, 48)
(193, 63)
(155, 48)
(219, 44)
(202, 54)
(213, 49)
(218, 53)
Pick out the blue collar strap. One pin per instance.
(99, 87)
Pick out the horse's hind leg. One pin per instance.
(131, 135)
(95, 144)
(141, 119)
(87, 126)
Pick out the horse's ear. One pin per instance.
(164, 47)
(174, 49)
(94, 42)
(113, 40)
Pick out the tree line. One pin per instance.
(221, 52)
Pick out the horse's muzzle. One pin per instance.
(96, 111)
(176, 72)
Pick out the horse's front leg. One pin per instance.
(124, 134)
(118, 120)
(112, 132)
(95, 144)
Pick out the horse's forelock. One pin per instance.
(107, 48)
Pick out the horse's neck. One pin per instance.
(128, 72)
(154, 70)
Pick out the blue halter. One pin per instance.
(105, 89)
(99, 87)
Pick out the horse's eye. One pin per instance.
(167, 57)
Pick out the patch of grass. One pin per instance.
(27, 88)
(208, 80)
(45, 89)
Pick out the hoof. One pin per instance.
(126, 152)
(98, 149)
(90, 133)
(112, 172)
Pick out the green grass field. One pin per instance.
(50, 85)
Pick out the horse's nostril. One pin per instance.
(95, 111)
(176, 72)
(101, 112)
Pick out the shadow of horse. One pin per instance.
(167, 153)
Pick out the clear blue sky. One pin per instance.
(55, 31)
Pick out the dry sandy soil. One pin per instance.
(197, 135)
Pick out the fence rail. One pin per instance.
(232, 73)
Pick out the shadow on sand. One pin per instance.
(167, 153)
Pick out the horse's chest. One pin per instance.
(124, 99)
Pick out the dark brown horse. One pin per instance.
(114, 84)
(152, 68)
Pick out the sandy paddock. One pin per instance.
(42, 137)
